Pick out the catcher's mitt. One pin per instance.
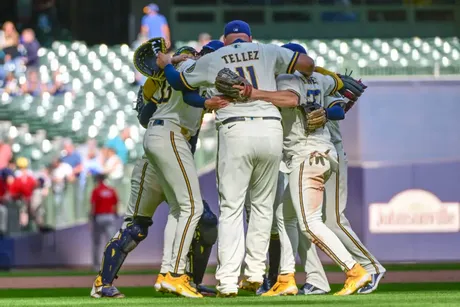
(352, 88)
(145, 58)
(139, 103)
(225, 81)
(315, 116)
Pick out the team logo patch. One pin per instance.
(191, 68)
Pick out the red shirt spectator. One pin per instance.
(23, 185)
(104, 200)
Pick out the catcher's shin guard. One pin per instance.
(126, 239)
(201, 247)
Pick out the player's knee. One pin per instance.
(135, 232)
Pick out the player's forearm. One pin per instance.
(282, 99)
(339, 82)
(193, 98)
(335, 112)
(305, 64)
(173, 78)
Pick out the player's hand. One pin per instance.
(244, 91)
(163, 60)
(216, 103)
(180, 58)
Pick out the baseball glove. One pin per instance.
(139, 103)
(225, 81)
(352, 88)
(315, 116)
(145, 58)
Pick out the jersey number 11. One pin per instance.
(251, 73)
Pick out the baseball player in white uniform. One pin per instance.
(335, 202)
(249, 149)
(152, 183)
(309, 159)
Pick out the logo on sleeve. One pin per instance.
(191, 68)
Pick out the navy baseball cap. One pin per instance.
(237, 26)
(295, 47)
(214, 45)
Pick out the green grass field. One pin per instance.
(426, 294)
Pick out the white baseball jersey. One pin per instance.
(297, 144)
(172, 107)
(258, 63)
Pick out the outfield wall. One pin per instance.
(404, 183)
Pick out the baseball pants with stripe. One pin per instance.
(169, 153)
(335, 220)
(306, 185)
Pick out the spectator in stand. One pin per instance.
(24, 181)
(118, 143)
(5, 153)
(155, 24)
(72, 157)
(203, 39)
(61, 174)
(32, 86)
(103, 215)
(31, 46)
(57, 86)
(113, 167)
(6, 180)
(22, 189)
(10, 36)
(38, 198)
(11, 85)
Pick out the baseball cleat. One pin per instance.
(206, 291)
(158, 282)
(372, 286)
(100, 290)
(357, 278)
(226, 295)
(249, 285)
(309, 289)
(180, 286)
(285, 285)
(266, 285)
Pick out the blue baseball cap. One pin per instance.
(214, 45)
(153, 7)
(237, 26)
(295, 47)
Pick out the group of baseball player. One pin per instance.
(280, 159)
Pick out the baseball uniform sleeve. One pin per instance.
(328, 84)
(285, 59)
(197, 74)
(333, 100)
(293, 84)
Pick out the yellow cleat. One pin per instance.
(357, 278)
(285, 285)
(180, 286)
(249, 285)
(158, 282)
